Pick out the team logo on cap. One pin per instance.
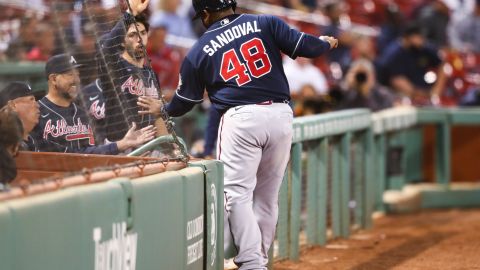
(72, 60)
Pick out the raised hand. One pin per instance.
(135, 137)
(138, 6)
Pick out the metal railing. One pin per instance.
(327, 141)
(339, 161)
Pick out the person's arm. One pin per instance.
(133, 138)
(189, 92)
(111, 42)
(211, 131)
(295, 43)
(439, 85)
(106, 149)
(402, 85)
(436, 63)
(178, 107)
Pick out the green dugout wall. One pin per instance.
(172, 220)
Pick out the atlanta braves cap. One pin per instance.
(60, 63)
(14, 90)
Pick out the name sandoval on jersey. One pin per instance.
(229, 35)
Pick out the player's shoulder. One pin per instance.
(264, 20)
(93, 87)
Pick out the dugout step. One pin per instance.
(429, 196)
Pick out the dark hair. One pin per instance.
(329, 7)
(11, 127)
(11, 133)
(411, 29)
(140, 18)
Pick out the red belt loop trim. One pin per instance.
(268, 102)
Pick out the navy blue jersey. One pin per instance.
(129, 82)
(238, 61)
(94, 103)
(65, 129)
(411, 63)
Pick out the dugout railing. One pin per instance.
(337, 175)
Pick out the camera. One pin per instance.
(361, 77)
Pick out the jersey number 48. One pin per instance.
(257, 62)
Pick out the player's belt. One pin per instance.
(270, 102)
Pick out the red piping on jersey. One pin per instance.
(220, 139)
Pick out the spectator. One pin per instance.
(310, 102)
(362, 90)
(166, 14)
(434, 21)
(391, 29)
(45, 43)
(413, 68)
(85, 52)
(301, 72)
(25, 41)
(11, 131)
(165, 60)
(465, 34)
(364, 47)
(64, 126)
(335, 11)
(19, 97)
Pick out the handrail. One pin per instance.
(329, 124)
(328, 143)
(153, 144)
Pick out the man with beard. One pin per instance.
(64, 126)
(124, 59)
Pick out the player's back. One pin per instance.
(238, 61)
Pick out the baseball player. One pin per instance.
(123, 48)
(238, 61)
(64, 126)
(94, 103)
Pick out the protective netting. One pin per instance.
(114, 58)
(106, 47)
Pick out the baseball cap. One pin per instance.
(211, 5)
(14, 90)
(60, 63)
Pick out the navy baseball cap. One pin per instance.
(13, 91)
(211, 5)
(60, 63)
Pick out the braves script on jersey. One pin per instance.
(94, 103)
(65, 129)
(238, 61)
(62, 129)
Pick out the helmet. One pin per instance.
(211, 5)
